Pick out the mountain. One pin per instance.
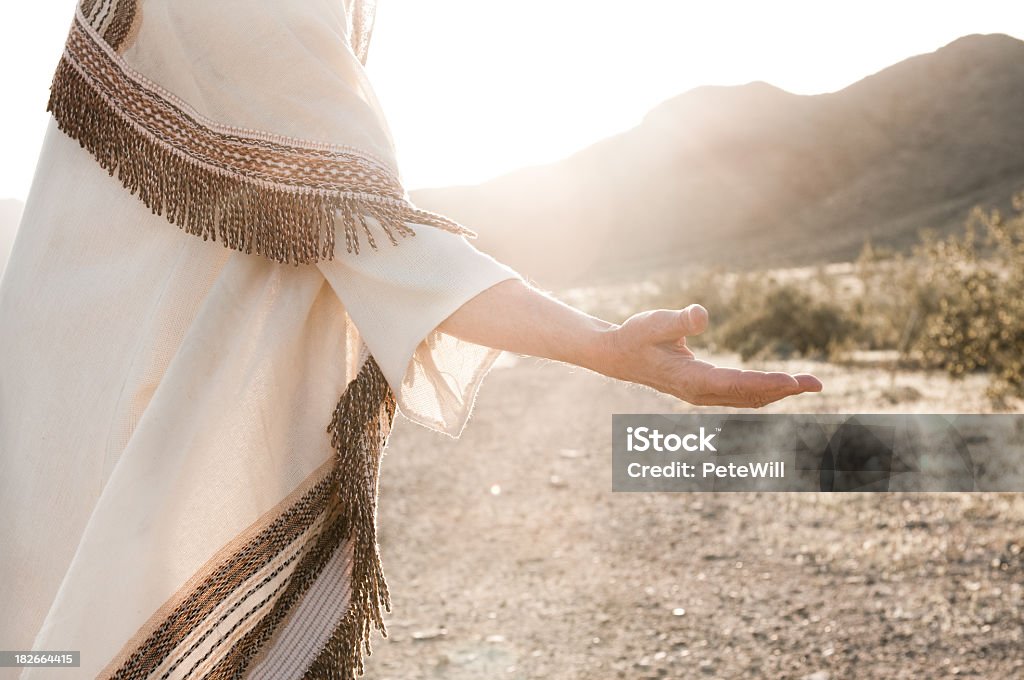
(10, 216)
(753, 176)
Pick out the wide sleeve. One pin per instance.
(397, 296)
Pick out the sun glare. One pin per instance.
(475, 89)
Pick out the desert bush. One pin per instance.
(953, 303)
(783, 320)
(887, 308)
(973, 315)
(757, 316)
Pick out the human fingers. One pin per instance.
(711, 385)
(730, 402)
(808, 382)
(664, 325)
(744, 383)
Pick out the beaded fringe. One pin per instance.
(289, 224)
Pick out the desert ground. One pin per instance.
(508, 555)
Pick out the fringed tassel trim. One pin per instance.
(359, 430)
(344, 505)
(190, 174)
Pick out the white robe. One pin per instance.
(163, 397)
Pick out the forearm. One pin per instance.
(515, 316)
(648, 348)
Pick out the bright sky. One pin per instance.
(475, 88)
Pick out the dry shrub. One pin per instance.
(758, 316)
(955, 304)
(973, 284)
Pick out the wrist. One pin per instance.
(601, 350)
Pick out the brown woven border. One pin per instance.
(256, 192)
(347, 498)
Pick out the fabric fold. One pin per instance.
(248, 612)
(434, 375)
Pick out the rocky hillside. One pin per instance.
(755, 176)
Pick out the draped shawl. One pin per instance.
(263, 156)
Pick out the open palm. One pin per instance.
(650, 348)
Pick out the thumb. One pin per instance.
(673, 324)
(696, 319)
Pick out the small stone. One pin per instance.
(429, 634)
(678, 611)
(463, 658)
(557, 482)
(817, 675)
(570, 453)
(495, 638)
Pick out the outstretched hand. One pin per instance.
(649, 348)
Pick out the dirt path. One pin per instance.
(508, 556)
